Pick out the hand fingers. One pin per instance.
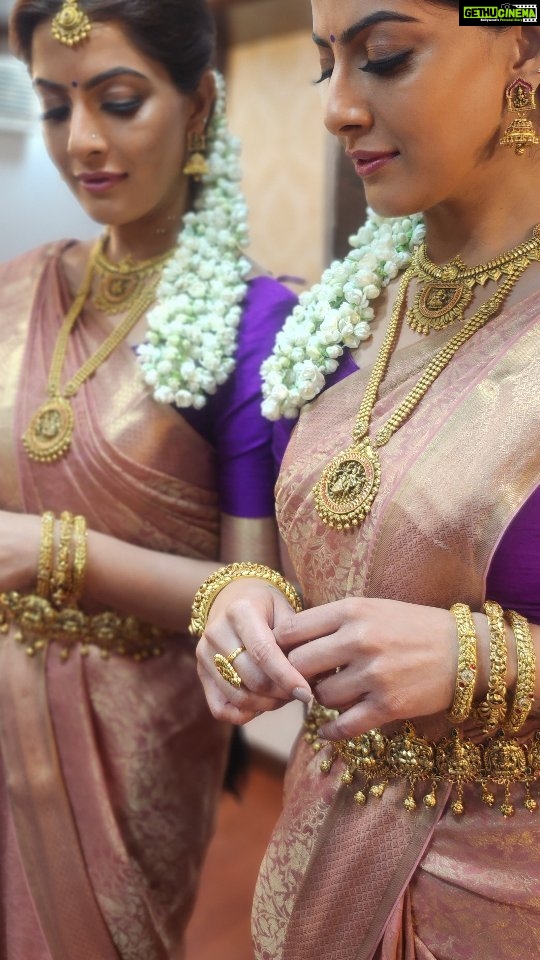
(342, 688)
(318, 658)
(322, 621)
(355, 721)
(264, 668)
(221, 704)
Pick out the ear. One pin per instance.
(527, 56)
(202, 103)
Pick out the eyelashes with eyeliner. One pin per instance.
(384, 66)
(121, 107)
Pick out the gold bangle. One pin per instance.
(215, 583)
(491, 712)
(46, 555)
(79, 557)
(466, 669)
(62, 577)
(526, 673)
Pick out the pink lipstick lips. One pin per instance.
(100, 181)
(368, 162)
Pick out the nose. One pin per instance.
(346, 108)
(85, 136)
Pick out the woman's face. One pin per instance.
(115, 125)
(416, 100)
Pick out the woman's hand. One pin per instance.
(19, 551)
(393, 660)
(245, 614)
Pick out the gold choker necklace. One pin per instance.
(446, 291)
(50, 431)
(349, 484)
(120, 284)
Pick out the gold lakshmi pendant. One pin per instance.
(50, 431)
(117, 294)
(348, 486)
(438, 304)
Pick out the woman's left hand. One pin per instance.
(376, 661)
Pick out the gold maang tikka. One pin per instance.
(446, 291)
(349, 484)
(520, 99)
(70, 25)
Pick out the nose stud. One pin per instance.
(93, 136)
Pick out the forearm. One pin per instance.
(132, 580)
(155, 587)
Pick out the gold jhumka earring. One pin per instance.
(196, 165)
(520, 134)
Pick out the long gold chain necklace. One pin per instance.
(50, 431)
(121, 283)
(348, 485)
(447, 290)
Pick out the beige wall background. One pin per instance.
(276, 111)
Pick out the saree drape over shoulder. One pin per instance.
(343, 882)
(111, 768)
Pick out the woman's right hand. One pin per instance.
(245, 614)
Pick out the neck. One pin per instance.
(147, 238)
(484, 226)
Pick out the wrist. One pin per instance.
(217, 581)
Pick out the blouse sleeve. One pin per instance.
(232, 419)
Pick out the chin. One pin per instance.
(396, 202)
(387, 207)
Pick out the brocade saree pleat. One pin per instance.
(343, 882)
(128, 757)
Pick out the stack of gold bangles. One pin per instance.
(500, 760)
(60, 575)
(52, 613)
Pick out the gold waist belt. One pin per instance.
(378, 759)
(38, 623)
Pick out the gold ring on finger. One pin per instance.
(225, 668)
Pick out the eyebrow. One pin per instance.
(380, 16)
(94, 81)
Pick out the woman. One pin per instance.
(409, 487)
(118, 496)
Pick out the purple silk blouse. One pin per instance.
(232, 421)
(513, 578)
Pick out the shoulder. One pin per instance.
(31, 263)
(20, 276)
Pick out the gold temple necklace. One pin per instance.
(121, 283)
(348, 485)
(50, 431)
(447, 290)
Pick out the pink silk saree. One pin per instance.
(111, 768)
(342, 882)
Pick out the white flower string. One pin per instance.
(192, 328)
(336, 313)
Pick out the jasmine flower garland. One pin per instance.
(336, 313)
(192, 328)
